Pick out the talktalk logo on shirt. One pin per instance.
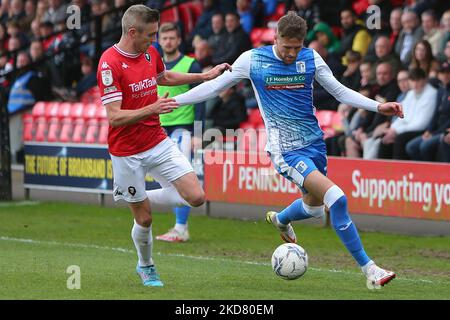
(143, 84)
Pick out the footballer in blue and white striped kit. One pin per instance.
(282, 77)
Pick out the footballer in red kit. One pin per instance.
(132, 79)
(128, 74)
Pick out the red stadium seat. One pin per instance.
(103, 132)
(255, 118)
(92, 131)
(187, 18)
(325, 119)
(101, 112)
(64, 110)
(196, 8)
(53, 129)
(51, 109)
(279, 12)
(93, 95)
(78, 130)
(268, 36)
(261, 36)
(90, 111)
(76, 110)
(246, 125)
(41, 129)
(28, 127)
(66, 129)
(169, 15)
(255, 36)
(39, 109)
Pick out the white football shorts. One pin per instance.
(164, 162)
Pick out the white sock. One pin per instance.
(167, 196)
(365, 268)
(181, 228)
(143, 241)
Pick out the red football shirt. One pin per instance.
(131, 78)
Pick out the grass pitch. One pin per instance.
(225, 259)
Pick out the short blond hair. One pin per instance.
(137, 16)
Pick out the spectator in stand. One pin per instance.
(202, 52)
(41, 65)
(27, 87)
(238, 41)
(35, 31)
(323, 100)
(446, 30)
(155, 4)
(217, 41)
(113, 27)
(432, 34)
(365, 70)
(354, 35)
(30, 14)
(387, 90)
(56, 12)
(46, 32)
(203, 25)
(410, 34)
(395, 21)
(262, 9)
(419, 105)
(246, 14)
(403, 84)
(41, 9)
(423, 58)
(16, 12)
(444, 147)
(3, 37)
(14, 44)
(14, 30)
(323, 33)
(227, 6)
(384, 53)
(229, 111)
(446, 56)
(89, 79)
(308, 10)
(5, 67)
(351, 77)
(425, 147)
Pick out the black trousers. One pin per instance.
(397, 150)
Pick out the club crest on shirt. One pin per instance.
(107, 77)
(147, 56)
(300, 66)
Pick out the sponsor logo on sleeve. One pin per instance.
(109, 89)
(107, 77)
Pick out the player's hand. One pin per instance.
(163, 105)
(216, 71)
(391, 109)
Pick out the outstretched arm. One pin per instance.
(347, 96)
(205, 91)
(172, 78)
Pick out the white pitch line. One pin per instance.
(180, 255)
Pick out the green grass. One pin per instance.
(225, 259)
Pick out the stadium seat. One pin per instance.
(78, 130)
(268, 36)
(66, 129)
(28, 126)
(51, 109)
(91, 131)
(279, 12)
(326, 119)
(196, 8)
(76, 110)
(90, 111)
(255, 118)
(246, 125)
(169, 15)
(103, 132)
(92, 95)
(41, 129)
(101, 112)
(186, 17)
(255, 36)
(261, 36)
(38, 109)
(53, 129)
(64, 109)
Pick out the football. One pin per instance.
(289, 261)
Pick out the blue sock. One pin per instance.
(294, 212)
(182, 214)
(346, 230)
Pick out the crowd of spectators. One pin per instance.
(405, 58)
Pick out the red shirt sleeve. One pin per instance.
(160, 66)
(108, 79)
